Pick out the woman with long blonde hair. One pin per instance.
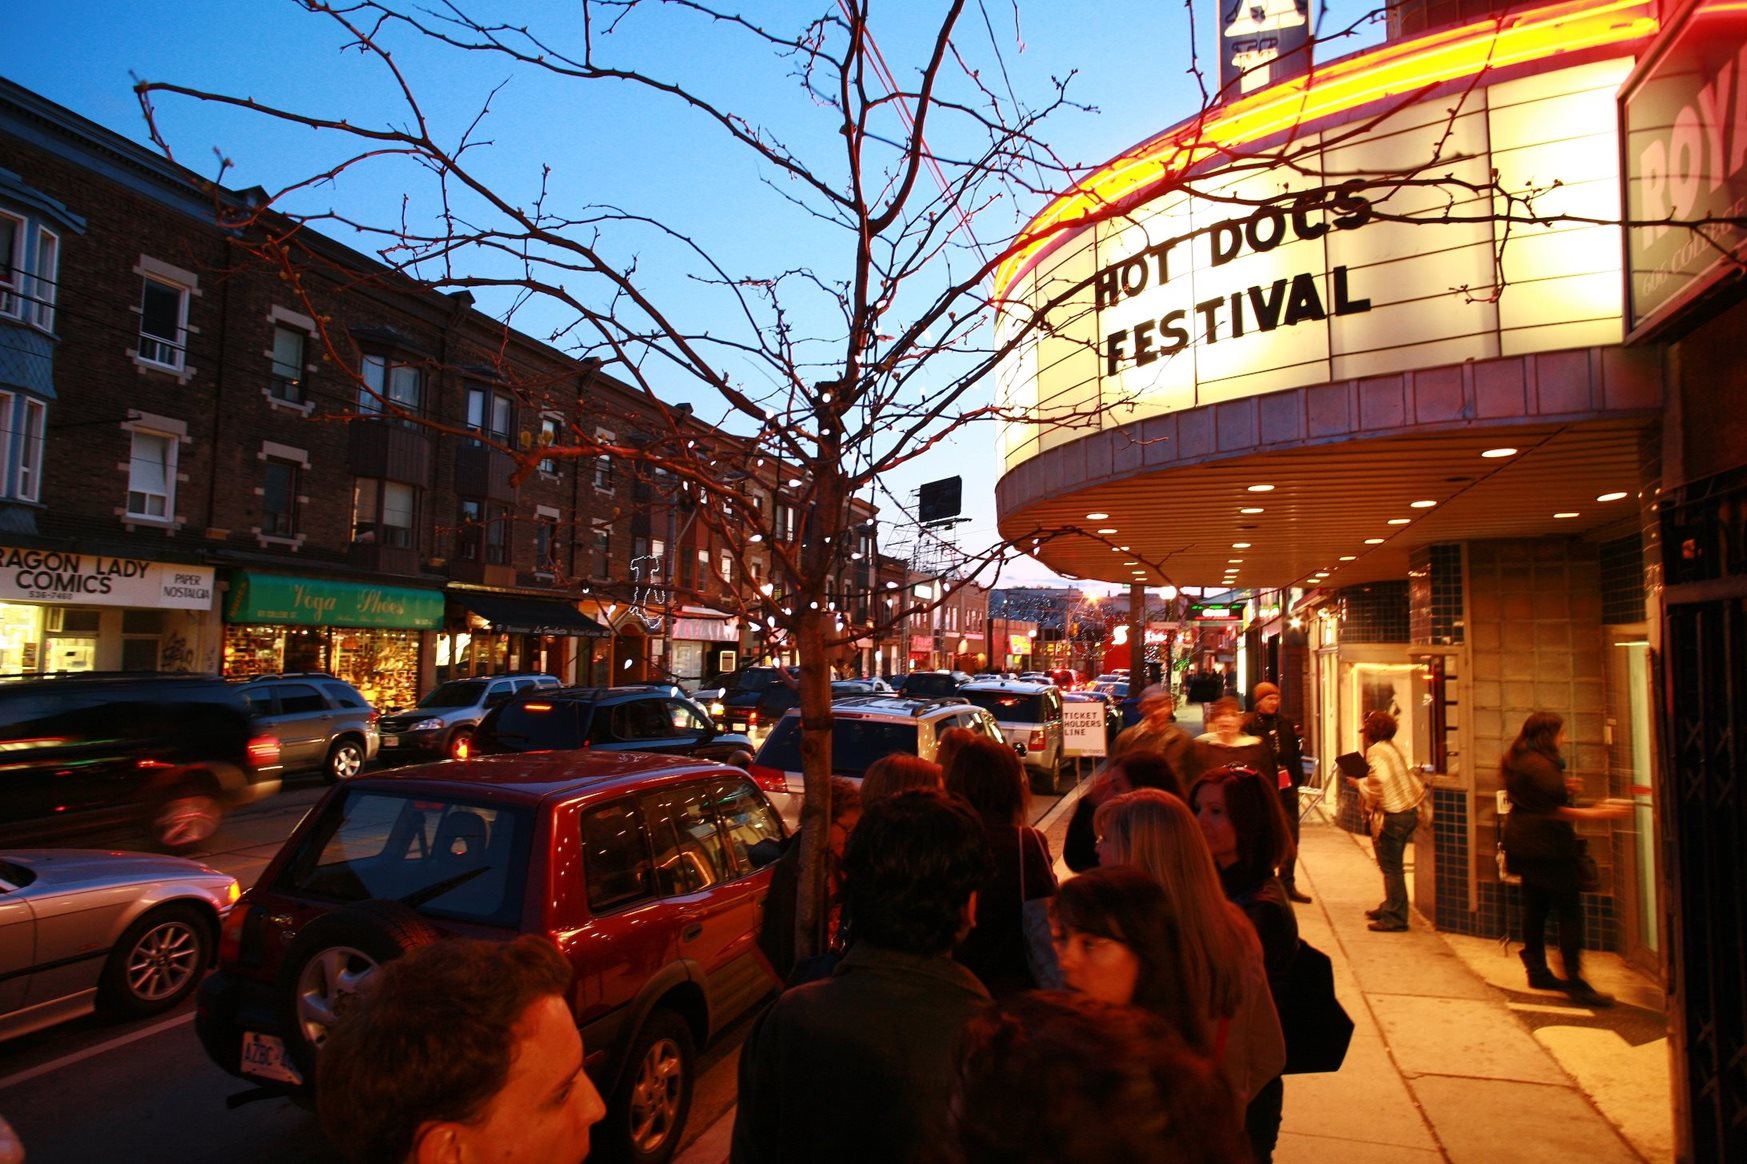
(1222, 957)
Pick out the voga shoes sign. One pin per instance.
(57, 576)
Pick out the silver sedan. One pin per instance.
(83, 929)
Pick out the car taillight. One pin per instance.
(374, 719)
(230, 938)
(1036, 743)
(264, 751)
(463, 747)
(769, 779)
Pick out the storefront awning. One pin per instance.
(279, 598)
(512, 614)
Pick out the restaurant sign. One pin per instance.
(101, 580)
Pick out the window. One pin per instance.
(603, 464)
(689, 851)
(151, 476)
(30, 450)
(163, 323)
(6, 402)
(727, 567)
(548, 438)
(545, 541)
(489, 414)
(45, 283)
(389, 385)
(483, 533)
(615, 858)
(601, 563)
(785, 522)
(383, 512)
(288, 365)
(279, 498)
(11, 266)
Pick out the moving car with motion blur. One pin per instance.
(442, 723)
(653, 717)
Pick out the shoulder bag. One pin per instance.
(1316, 1025)
(1034, 924)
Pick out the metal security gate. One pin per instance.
(1705, 733)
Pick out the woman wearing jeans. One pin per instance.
(1389, 788)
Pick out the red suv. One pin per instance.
(648, 872)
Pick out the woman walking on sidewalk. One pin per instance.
(1542, 848)
(1392, 791)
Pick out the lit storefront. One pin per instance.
(702, 642)
(371, 636)
(66, 611)
(1356, 337)
(491, 632)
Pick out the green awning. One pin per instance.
(278, 598)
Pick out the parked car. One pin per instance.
(864, 728)
(320, 721)
(648, 871)
(752, 689)
(641, 718)
(443, 721)
(125, 934)
(1030, 715)
(869, 686)
(169, 753)
(932, 684)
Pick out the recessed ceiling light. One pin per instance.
(1131, 563)
(1097, 517)
(1252, 509)
(1421, 504)
(1235, 561)
(1373, 541)
(1240, 545)
(1399, 520)
(1349, 557)
(1261, 489)
(1611, 496)
(1499, 453)
(1116, 549)
(1567, 515)
(1109, 529)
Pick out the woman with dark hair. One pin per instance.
(1057, 1078)
(1133, 769)
(989, 777)
(1391, 790)
(1226, 742)
(1246, 832)
(1542, 848)
(898, 772)
(1117, 940)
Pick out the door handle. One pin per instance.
(692, 932)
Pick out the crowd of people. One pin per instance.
(937, 1024)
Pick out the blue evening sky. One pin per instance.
(605, 144)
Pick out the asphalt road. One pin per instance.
(144, 1091)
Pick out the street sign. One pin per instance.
(1083, 728)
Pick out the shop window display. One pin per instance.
(382, 664)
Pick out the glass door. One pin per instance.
(1634, 755)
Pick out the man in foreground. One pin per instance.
(462, 1051)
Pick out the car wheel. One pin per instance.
(330, 963)
(157, 962)
(458, 740)
(648, 1111)
(184, 818)
(345, 760)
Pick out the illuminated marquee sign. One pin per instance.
(101, 580)
(1228, 613)
(1683, 115)
(1378, 248)
(1254, 36)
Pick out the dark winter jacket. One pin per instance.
(1536, 786)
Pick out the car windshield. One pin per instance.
(1012, 706)
(538, 725)
(855, 743)
(927, 684)
(447, 857)
(456, 694)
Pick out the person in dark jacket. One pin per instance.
(1245, 831)
(776, 933)
(860, 1066)
(1135, 769)
(1541, 847)
(1282, 736)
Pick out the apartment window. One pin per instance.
(490, 414)
(482, 535)
(289, 346)
(151, 475)
(46, 281)
(657, 557)
(703, 567)
(163, 323)
(603, 464)
(383, 512)
(727, 567)
(11, 266)
(545, 541)
(548, 438)
(388, 384)
(785, 522)
(279, 498)
(601, 551)
(30, 447)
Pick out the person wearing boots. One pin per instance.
(1281, 734)
(1542, 848)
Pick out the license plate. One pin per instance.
(264, 1058)
(391, 741)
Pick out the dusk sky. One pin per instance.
(606, 145)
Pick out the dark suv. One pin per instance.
(644, 718)
(442, 723)
(647, 871)
(320, 721)
(169, 752)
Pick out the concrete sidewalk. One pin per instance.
(1452, 1058)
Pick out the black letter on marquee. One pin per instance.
(1344, 303)
(1302, 205)
(1105, 283)
(1355, 208)
(1237, 315)
(1134, 276)
(1143, 343)
(1162, 253)
(1232, 235)
(1305, 302)
(1113, 351)
(1252, 229)
(1268, 310)
(1176, 335)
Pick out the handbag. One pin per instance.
(1588, 872)
(1316, 1025)
(1040, 956)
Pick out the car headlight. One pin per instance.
(716, 707)
(427, 725)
